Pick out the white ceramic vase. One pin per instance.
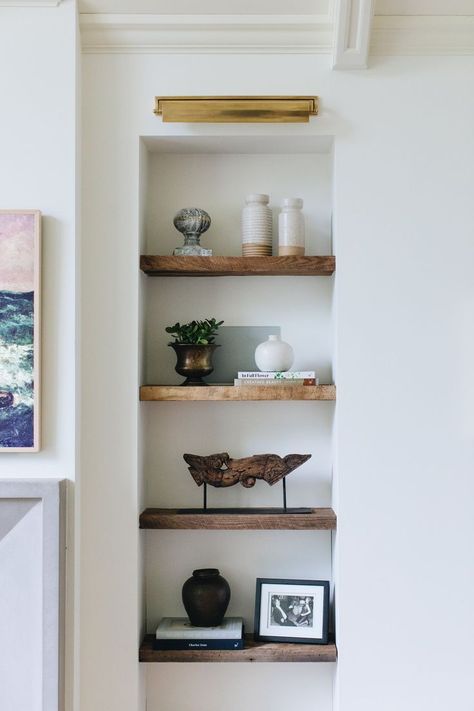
(256, 226)
(291, 232)
(274, 355)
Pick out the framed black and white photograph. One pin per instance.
(292, 611)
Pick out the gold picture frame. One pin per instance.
(20, 331)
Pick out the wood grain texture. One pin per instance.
(322, 519)
(252, 652)
(229, 393)
(220, 470)
(154, 265)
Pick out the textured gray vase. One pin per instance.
(192, 222)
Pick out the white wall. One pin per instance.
(37, 170)
(404, 223)
(112, 311)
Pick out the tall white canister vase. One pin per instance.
(256, 226)
(291, 229)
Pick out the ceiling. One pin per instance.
(272, 7)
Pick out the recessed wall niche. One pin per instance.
(216, 173)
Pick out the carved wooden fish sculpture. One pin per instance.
(220, 470)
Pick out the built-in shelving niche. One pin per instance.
(215, 173)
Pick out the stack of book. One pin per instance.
(278, 379)
(179, 633)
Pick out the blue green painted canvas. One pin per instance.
(18, 421)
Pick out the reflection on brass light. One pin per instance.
(236, 109)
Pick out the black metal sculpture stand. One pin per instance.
(251, 511)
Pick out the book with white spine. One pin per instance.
(279, 375)
(180, 628)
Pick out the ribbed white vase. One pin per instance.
(274, 355)
(257, 226)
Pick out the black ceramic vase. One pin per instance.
(205, 597)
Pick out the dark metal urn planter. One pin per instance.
(206, 597)
(194, 361)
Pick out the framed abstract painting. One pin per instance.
(20, 310)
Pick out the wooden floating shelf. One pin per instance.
(237, 266)
(322, 519)
(252, 652)
(228, 393)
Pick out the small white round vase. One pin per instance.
(274, 355)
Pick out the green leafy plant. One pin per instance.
(201, 333)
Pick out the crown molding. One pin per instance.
(206, 34)
(349, 38)
(30, 3)
(352, 33)
(423, 35)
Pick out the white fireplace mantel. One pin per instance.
(31, 552)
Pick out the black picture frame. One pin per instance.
(279, 588)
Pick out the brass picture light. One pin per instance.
(236, 109)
